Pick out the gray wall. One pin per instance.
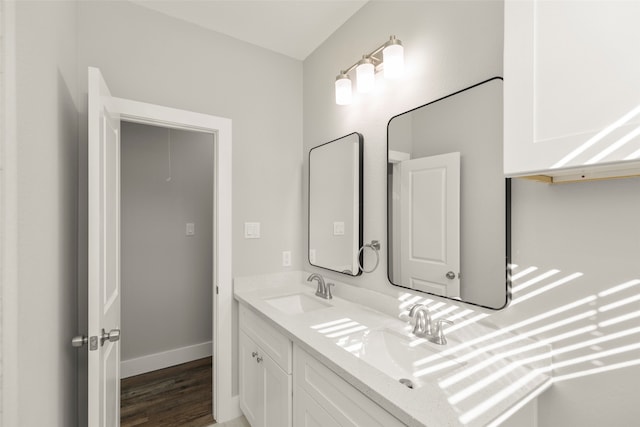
(584, 235)
(47, 142)
(166, 275)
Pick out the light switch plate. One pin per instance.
(338, 228)
(286, 258)
(251, 230)
(191, 229)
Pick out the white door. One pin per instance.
(103, 256)
(430, 218)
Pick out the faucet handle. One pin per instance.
(328, 288)
(440, 338)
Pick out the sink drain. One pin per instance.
(406, 382)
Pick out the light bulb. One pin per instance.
(393, 58)
(365, 75)
(343, 89)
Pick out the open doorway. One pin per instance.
(167, 182)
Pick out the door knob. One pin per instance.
(79, 341)
(111, 336)
(451, 275)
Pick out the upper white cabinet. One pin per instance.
(572, 88)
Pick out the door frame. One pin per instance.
(225, 405)
(8, 218)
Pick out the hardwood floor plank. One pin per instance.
(179, 396)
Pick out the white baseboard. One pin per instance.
(165, 359)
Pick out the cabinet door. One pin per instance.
(571, 92)
(307, 412)
(347, 405)
(251, 373)
(277, 399)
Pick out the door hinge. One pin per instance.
(217, 290)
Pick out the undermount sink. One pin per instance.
(296, 303)
(409, 360)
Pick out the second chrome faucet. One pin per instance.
(324, 289)
(423, 325)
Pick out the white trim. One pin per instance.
(164, 359)
(225, 405)
(398, 157)
(9, 221)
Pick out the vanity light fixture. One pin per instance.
(365, 75)
(393, 57)
(343, 89)
(391, 61)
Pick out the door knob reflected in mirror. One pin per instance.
(451, 275)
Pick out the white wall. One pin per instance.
(166, 275)
(582, 237)
(448, 46)
(46, 250)
(149, 57)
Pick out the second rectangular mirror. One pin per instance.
(335, 204)
(448, 201)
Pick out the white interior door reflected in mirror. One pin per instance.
(459, 251)
(335, 204)
(429, 211)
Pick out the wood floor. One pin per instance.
(171, 397)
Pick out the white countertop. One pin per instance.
(499, 370)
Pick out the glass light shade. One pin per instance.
(343, 90)
(393, 58)
(365, 76)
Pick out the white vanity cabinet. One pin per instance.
(265, 372)
(322, 398)
(571, 88)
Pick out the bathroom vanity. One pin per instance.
(307, 361)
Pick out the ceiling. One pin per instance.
(291, 27)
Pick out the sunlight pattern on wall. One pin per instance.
(482, 367)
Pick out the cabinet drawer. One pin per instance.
(276, 345)
(347, 406)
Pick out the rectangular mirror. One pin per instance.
(335, 204)
(448, 203)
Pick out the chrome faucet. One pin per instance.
(423, 327)
(324, 289)
(422, 318)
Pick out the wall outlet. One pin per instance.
(286, 258)
(191, 229)
(251, 230)
(312, 256)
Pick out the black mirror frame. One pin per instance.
(360, 203)
(508, 295)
